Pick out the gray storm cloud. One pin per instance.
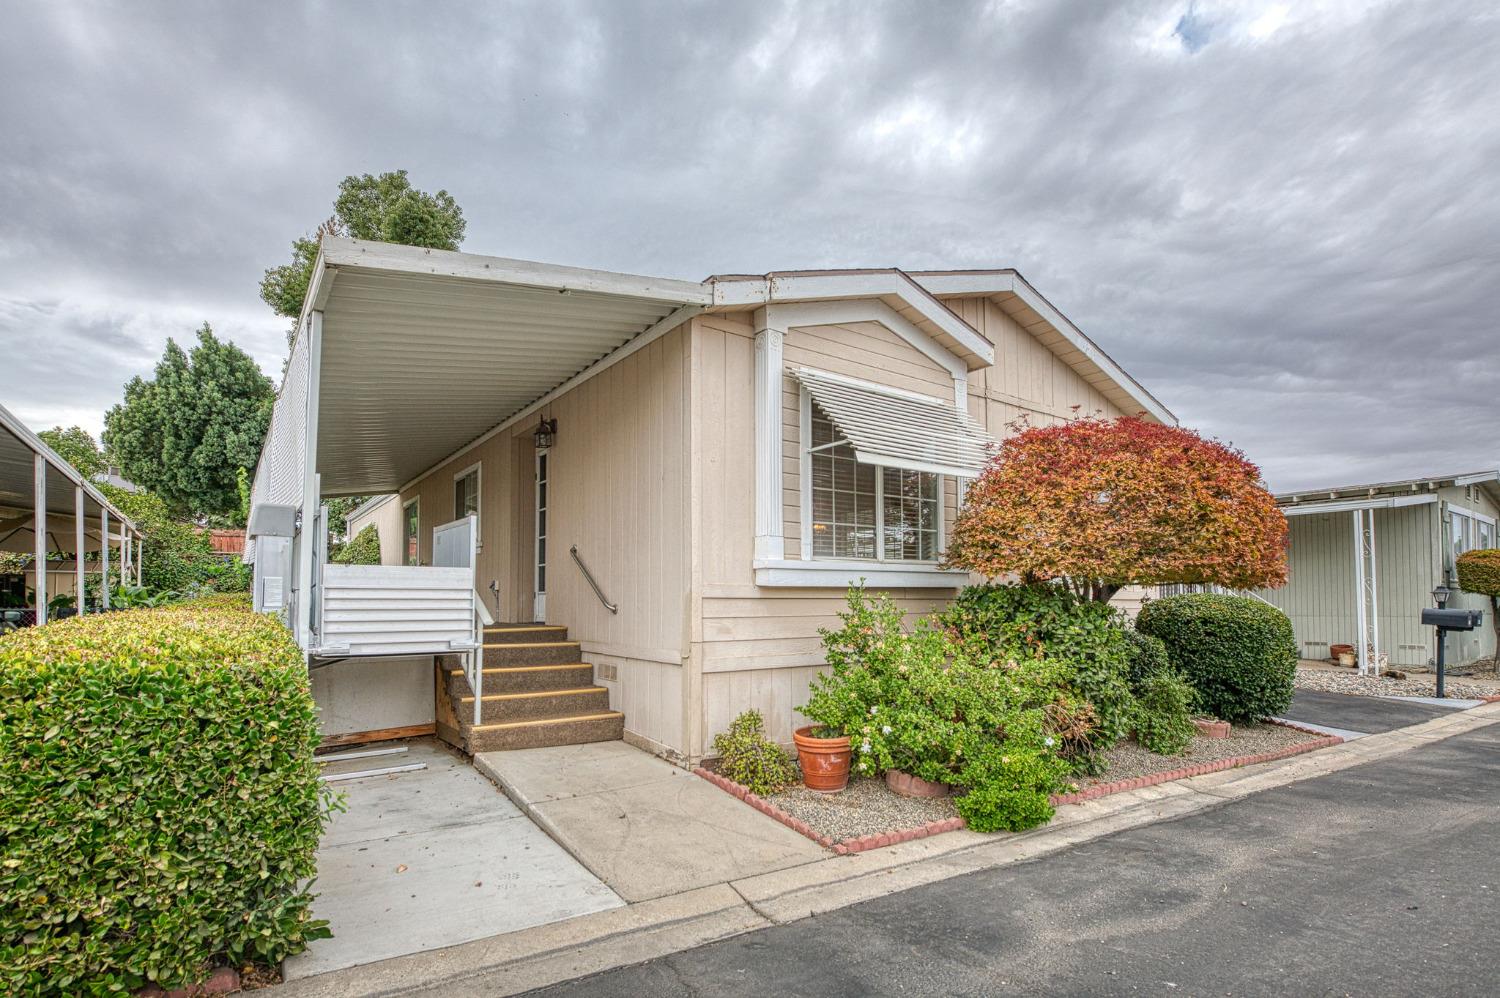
(1281, 218)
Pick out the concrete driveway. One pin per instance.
(431, 858)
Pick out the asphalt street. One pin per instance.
(1383, 879)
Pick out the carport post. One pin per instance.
(1360, 650)
(306, 551)
(39, 529)
(104, 557)
(78, 547)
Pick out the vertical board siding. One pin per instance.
(617, 490)
(386, 519)
(1321, 598)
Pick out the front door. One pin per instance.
(539, 611)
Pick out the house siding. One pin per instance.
(758, 647)
(386, 518)
(617, 490)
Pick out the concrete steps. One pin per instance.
(536, 693)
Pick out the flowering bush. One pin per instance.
(1085, 643)
(921, 702)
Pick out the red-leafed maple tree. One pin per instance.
(1106, 503)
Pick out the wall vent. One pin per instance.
(606, 672)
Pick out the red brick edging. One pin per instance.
(880, 839)
(223, 980)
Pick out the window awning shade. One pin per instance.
(896, 429)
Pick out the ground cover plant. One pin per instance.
(752, 760)
(159, 803)
(1238, 652)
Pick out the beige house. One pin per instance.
(679, 479)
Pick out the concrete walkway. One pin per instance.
(645, 827)
(534, 958)
(432, 858)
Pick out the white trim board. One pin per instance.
(1347, 505)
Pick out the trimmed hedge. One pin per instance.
(159, 803)
(1237, 651)
(1479, 571)
(363, 549)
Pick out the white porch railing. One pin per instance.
(397, 610)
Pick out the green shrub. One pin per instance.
(1087, 639)
(751, 759)
(923, 703)
(1238, 652)
(1479, 571)
(364, 549)
(1164, 713)
(159, 803)
(1148, 656)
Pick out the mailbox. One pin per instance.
(1453, 620)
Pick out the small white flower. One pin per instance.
(1050, 741)
(885, 729)
(873, 711)
(864, 747)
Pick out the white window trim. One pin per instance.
(477, 470)
(1470, 513)
(417, 502)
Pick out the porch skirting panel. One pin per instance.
(373, 694)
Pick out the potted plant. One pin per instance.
(823, 753)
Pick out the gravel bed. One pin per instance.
(868, 807)
(865, 807)
(1328, 681)
(1127, 760)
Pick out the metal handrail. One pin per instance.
(611, 607)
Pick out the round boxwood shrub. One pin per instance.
(1238, 652)
(160, 806)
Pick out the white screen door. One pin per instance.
(539, 611)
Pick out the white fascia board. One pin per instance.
(971, 283)
(846, 574)
(829, 313)
(340, 252)
(1348, 505)
(38, 446)
(778, 288)
(1091, 350)
(1479, 477)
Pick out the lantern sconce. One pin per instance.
(545, 434)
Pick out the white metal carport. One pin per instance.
(47, 506)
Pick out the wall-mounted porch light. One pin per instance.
(545, 434)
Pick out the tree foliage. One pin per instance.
(76, 446)
(386, 209)
(364, 549)
(177, 557)
(1102, 504)
(186, 433)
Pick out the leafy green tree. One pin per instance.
(76, 446)
(177, 556)
(386, 209)
(186, 433)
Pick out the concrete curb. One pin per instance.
(880, 840)
(591, 944)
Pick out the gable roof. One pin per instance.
(1016, 297)
(1489, 480)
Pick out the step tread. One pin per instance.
(530, 644)
(505, 628)
(540, 721)
(487, 670)
(532, 694)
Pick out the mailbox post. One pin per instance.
(1445, 621)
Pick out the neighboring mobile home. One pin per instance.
(681, 479)
(1366, 559)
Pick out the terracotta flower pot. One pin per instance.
(907, 785)
(824, 761)
(1211, 729)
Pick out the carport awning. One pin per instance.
(897, 429)
(424, 351)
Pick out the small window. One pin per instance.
(863, 511)
(411, 525)
(466, 494)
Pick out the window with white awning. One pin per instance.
(874, 460)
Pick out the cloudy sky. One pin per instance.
(1283, 218)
